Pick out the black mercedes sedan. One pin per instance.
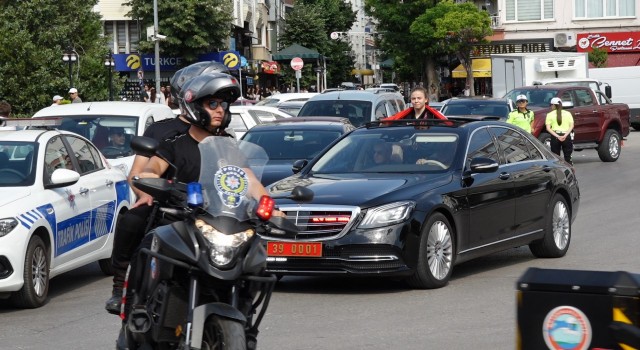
(443, 192)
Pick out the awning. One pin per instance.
(362, 72)
(481, 68)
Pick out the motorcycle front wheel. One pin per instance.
(223, 334)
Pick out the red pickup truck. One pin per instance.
(598, 123)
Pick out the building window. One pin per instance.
(125, 33)
(604, 8)
(529, 10)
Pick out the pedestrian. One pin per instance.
(433, 95)
(521, 116)
(57, 100)
(559, 124)
(73, 94)
(5, 112)
(154, 97)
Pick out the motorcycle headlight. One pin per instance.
(7, 225)
(387, 214)
(224, 247)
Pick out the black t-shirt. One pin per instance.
(167, 129)
(424, 115)
(183, 152)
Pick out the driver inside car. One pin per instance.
(117, 138)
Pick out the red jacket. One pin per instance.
(409, 111)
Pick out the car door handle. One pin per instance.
(504, 176)
(109, 183)
(83, 190)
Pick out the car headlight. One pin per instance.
(224, 247)
(387, 214)
(7, 225)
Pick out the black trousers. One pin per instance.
(129, 233)
(566, 146)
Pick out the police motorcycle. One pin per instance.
(202, 283)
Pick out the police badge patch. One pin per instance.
(232, 183)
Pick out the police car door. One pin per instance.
(71, 206)
(101, 190)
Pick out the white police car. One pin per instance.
(59, 204)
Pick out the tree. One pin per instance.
(455, 28)
(34, 35)
(309, 24)
(192, 27)
(598, 57)
(411, 55)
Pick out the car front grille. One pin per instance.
(318, 222)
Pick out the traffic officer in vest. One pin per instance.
(559, 124)
(521, 116)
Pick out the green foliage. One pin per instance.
(192, 27)
(309, 24)
(598, 57)
(453, 28)
(34, 35)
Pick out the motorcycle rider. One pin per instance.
(131, 225)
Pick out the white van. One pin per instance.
(97, 120)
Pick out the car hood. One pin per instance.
(360, 189)
(276, 170)
(9, 195)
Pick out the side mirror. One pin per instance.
(567, 104)
(62, 178)
(301, 194)
(144, 146)
(298, 165)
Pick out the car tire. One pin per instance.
(545, 138)
(435, 256)
(609, 148)
(36, 276)
(557, 236)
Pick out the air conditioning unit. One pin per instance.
(566, 39)
(556, 64)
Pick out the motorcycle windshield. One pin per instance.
(229, 172)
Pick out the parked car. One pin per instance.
(96, 120)
(61, 201)
(360, 106)
(452, 191)
(293, 139)
(477, 106)
(393, 86)
(244, 118)
(275, 100)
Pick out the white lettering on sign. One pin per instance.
(73, 233)
(601, 41)
(164, 61)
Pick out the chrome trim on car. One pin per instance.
(500, 241)
(297, 214)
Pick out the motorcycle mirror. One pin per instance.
(144, 146)
(283, 224)
(301, 194)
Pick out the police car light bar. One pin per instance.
(24, 122)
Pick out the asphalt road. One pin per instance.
(477, 310)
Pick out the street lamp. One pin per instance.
(109, 63)
(69, 57)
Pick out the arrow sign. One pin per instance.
(297, 63)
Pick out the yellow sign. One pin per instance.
(231, 60)
(133, 61)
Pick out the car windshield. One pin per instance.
(390, 150)
(111, 134)
(291, 144)
(17, 163)
(536, 97)
(358, 112)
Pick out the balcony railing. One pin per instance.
(495, 22)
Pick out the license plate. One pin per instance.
(297, 249)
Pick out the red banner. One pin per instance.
(611, 42)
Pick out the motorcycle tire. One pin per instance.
(223, 334)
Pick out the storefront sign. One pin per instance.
(611, 42)
(134, 62)
(500, 47)
(271, 67)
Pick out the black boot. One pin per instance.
(115, 302)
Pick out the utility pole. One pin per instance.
(157, 45)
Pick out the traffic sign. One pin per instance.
(297, 63)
